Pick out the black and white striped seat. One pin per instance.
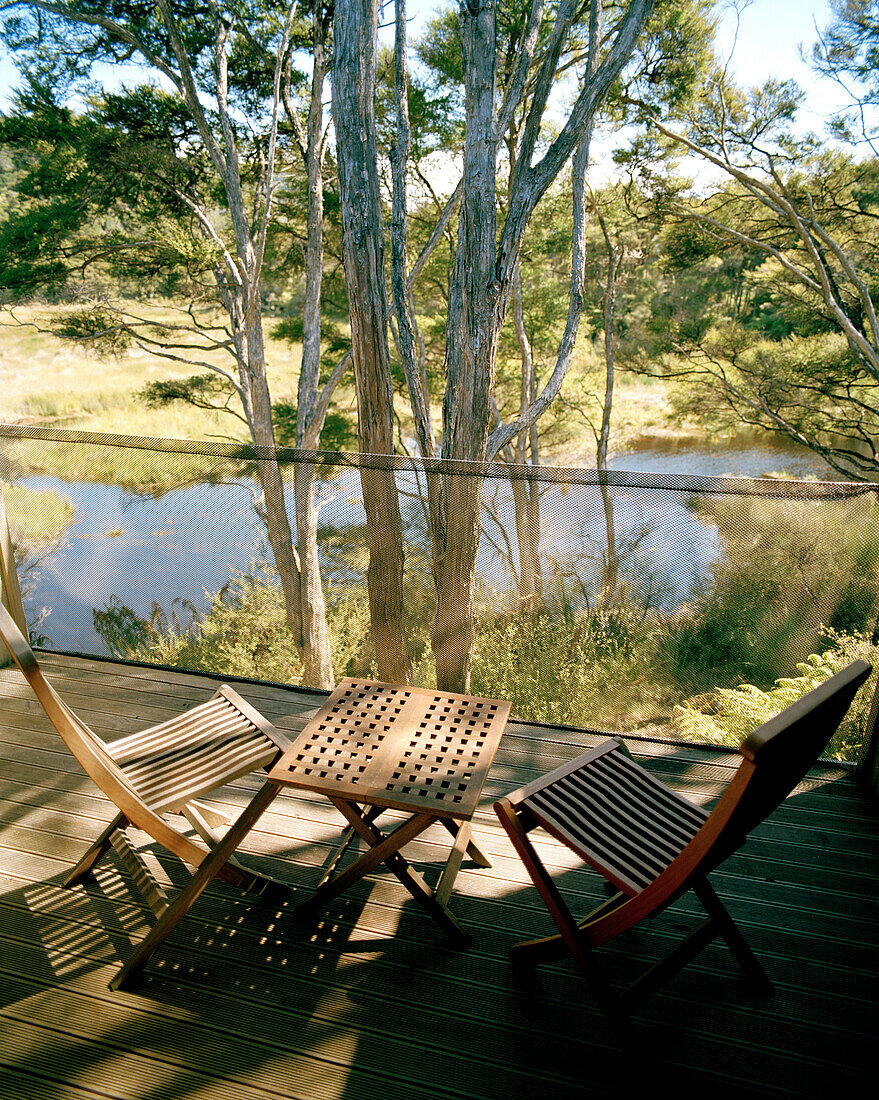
(624, 822)
(170, 764)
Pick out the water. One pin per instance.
(737, 459)
(142, 550)
(183, 545)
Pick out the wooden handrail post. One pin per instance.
(868, 768)
(10, 592)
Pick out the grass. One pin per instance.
(56, 382)
(49, 380)
(36, 517)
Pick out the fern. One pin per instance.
(726, 716)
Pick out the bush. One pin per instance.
(592, 668)
(727, 715)
(243, 632)
(791, 571)
(36, 517)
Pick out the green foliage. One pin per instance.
(243, 633)
(339, 432)
(769, 318)
(560, 665)
(848, 52)
(124, 633)
(97, 328)
(674, 54)
(103, 194)
(790, 572)
(203, 390)
(726, 716)
(335, 339)
(797, 578)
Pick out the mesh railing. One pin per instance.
(665, 604)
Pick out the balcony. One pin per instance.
(369, 999)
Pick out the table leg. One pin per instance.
(385, 849)
(348, 835)
(205, 871)
(382, 849)
(453, 863)
(478, 857)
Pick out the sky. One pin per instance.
(765, 41)
(769, 34)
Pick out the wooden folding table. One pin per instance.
(375, 747)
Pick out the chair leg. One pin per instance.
(718, 923)
(553, 948)
(207, 870)
(95, 853)
(736, 942)
(233, 871)
(670, 964)
(574, 941)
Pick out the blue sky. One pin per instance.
(769, 34)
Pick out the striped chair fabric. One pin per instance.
(619, 818)
(170, 764)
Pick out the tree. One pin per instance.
(354, 67)
(848, 53)
(486, 263)
(216, 136)
(803, 219)
(669, 54)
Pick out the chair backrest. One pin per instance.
(83, 742)
(778, 754)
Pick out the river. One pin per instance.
(183, 545)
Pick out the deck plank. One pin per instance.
(244, 1002)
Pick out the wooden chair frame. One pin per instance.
(776, 756)
(100, 761)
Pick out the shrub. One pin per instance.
(790, 571)
(36, 517)
(243, 632)
(589, 669)
(726, 716)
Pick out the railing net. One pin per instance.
(669, 605)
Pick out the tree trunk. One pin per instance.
(355, 24)
(471, 346)
(482, 276)
(611, 569)
(526, 498)
(316, 651)
(454, 576)
(274, 506)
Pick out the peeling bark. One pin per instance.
(355, 26)
(482, 281)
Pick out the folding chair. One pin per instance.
(652, 845)
(155, 774)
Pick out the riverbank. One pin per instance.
(49, 381)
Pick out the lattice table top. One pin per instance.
(397, 746)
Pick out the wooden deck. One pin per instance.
(243, 1002)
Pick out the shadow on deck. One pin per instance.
(369, 1000)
